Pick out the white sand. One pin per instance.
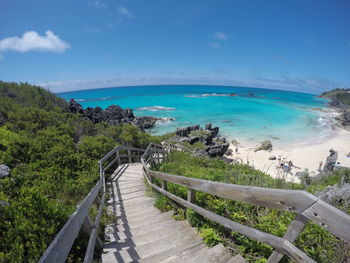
(304, 156)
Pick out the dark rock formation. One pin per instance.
(272, 158)
(4, 171)
(330, 161)
(265, 146)
(145, 122)
(113, 115)
(336, 195)
(215, 145)
(183, 132)
(75, 107)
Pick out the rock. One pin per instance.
(215, 146)
(113, 115)
(145, 122)
(272, 158)
(4, 171)
(336, 195)
(182, 132)
(229, 152)
(75, 107)
(234, 142)
(330, 161)
(227, 160)
(217, 149)
(265, 146)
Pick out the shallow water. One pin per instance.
(249, 113)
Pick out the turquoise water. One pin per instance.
(252, 114)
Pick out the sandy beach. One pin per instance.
(303, 156)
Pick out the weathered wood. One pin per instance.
(165, 185)
(331, 218)
(88, 226)
(61, 245)
(286, 200)
(129, 154)
(89, 255)
(292, 233)
(276, 242)
(191, 195)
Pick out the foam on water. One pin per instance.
(240, 112)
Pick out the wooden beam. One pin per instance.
(330, 218)
(88, 226)
(292, 233)
(274, 241)
(191, 195)
(59, 248)
(285, 200)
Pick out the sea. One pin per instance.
(252, 114)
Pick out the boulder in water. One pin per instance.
(265, 146)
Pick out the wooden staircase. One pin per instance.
(141, 233)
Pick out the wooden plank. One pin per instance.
(88, 226)
(285, 200)
(89, 255)
(129, 154)
(330, 218)
(292, 233)
(276, 242)
(165, 185)
(59, 248)
(191, 195)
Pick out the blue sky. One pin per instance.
(301, 45)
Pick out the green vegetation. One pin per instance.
(320, 244)
(53, 159)
(340, 95)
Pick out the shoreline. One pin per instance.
(304, 155)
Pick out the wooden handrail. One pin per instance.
(306, 205)
(59, 248)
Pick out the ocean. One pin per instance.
(247, 113)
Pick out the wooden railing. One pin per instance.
(59, 248)
(305, 205)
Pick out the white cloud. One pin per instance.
(125, 12)
(220, 35)
(215, 45)
(31, 40)
(91, 29)
(98, 4)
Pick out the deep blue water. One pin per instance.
(252, 113)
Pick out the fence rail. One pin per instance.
(59, 248)
(306, 205)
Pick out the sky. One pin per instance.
(300, 45)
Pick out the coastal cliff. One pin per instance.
(340, 100)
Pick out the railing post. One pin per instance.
(88, 226)
(129, 153)
(165, 185)
(191, 195)
(292, 233)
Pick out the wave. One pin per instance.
(156, 108)
(106, 98)
(164, 120)
(210, 95)
(80, 100)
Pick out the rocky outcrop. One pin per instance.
(113, 115)
(265, 146)
(213, 143)
(330, 161)
(336, 195)
(4, 171)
